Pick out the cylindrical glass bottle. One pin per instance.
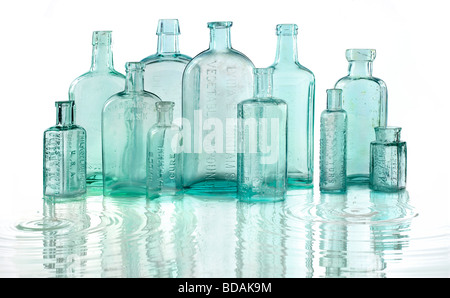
(214, 82)
(262, 143)
(64, 155)
(164, 158)
(387, 160)
(333, 144)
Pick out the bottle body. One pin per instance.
(387, 161)
(64, 159)
(126, 119)
(214, 82)
(295, 84)
(164, 69)
(364, 98)
(333, 148)
(90, 98)
(164, 158)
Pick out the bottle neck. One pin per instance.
(334, 99)
(286, 49)
(220, 38)
(387, 134)
(165, 117)
(134, 80)
(263, 83)
(102, 57)
(360, 68)
(168, 44)
(65, 113)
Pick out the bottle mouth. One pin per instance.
(134, 66)
(168, 27)
(164, 105)
(286, 29)
(220, 25)
(388, 133)
(101, 37)
(360, 54)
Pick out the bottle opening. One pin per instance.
(101, 37)
(134, 66)
(360, 54)
(388, 133)
(168, 27)
(220, 25)
(287, 29)
(165, 105)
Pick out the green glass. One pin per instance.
(333, 145)
(126, 119)
(262, 143)
(164, 158)
(90, 92)
(164, 69)
(64, 155)
(387, 160)
(295, 84)
(364, 98)
(214, 82)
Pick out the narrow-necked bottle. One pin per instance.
(364, 98)
(90, 92)
(214, 82)
(333, 145)
(262, 143)
(164, 158)
(295, 84)
(64, 155)
(164, 69)
(126, 119)
(387, 160)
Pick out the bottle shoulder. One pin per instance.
(93, 77)
(131, 97)
(334, 113)
(228, 56)
(65, 128)
(272, 101)
(171, 58)
(349, 80)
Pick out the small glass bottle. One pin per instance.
(126, 119)
(214, 82)
(333, 145)
(64, 155)
(364, 98)
(295, 84)
(387, 160)
(164, 158)
(90, 91)
(164, 70)
(262, 143)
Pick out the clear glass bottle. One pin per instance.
(164, 70)
(64, 155)
(387, 160)
(164, 158)
(126, 119)
(214, 82)
(364, 98)
(295, 84)
(262, 143)
(333, 145)
(90, 92)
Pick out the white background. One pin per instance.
(45, 44)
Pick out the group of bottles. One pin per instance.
(211, 124)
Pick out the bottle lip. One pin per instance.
(268, 70)
(60, 103)
(387, 133)
(101, 37)
(287, 29)
(134, 66)
(164, 105)
(360, 54)
(220, 25)
(168, 27)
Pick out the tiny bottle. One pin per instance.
(164, 158)
(164, 70)
(387, 160)
(90, 92)
(126, 119)
(364, 98)
(214, 82)
(262, 143)
(64, 155)
(295, 84)
(333, 145)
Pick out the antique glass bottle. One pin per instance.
(164, 158)
(364, 98)
(126, 119)
(64, 155)
(164, 70)
(333, 145)
(295, 84)
(90, 92)
(214, 82)
(387, 160)
(262, 143)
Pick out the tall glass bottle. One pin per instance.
(64, 155)
(387, 160)
(126, 119)
(214, 82)
(364, 98)
(262, 143)
(295, 84)
(164, 70)
(164, 158)
(90, 92)
(333, 145)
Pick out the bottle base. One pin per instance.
(124, 189)
(299, 183)
(358, 179)
(215, 187)
(94, 180)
